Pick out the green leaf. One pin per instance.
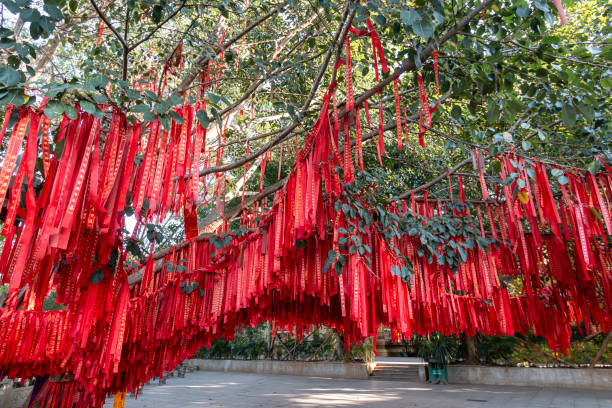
(568, 114)
(493, 113)
(54, 109)
(409, 16)
(522, 11)
(53, 11)
(30, 14)
(141, 108)
(36, 30)
(148, 116)
(203, 118)
(380, 20)
(594, 167)
(175, 100)
(328, 263)
(165, 121)
(214, 98)
(423, 28)
(98, 98)
(556, 172)
(177, 118)
(439, 17)
(133, 94)
(161, 108)
(541, 4)
(217, 117)
(97, 276)
(563, 180)
(462, 254)
(10, 76)
(70, 111)
(587, 111)
(87, 107)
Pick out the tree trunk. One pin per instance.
(602, 349)
(470, 347)
(339, 344)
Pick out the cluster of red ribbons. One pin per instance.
(113, 337)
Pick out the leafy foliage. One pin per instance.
(445, 237)
(511, 79)
(443, 349)
(253, 343)
(533, 351)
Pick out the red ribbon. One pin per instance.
(435, 64)
(398, 120)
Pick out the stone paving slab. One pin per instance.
(219, 389)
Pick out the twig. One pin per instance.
(108, 24)
(193, 72)
(146, 37)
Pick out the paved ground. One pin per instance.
(219, 389)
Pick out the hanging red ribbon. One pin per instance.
(424, 102)
(263, 170)
(191, 221)
(280, 161)
(434, 54)
(483, 184)
(349, 77)
(560, 11)
(398, 120)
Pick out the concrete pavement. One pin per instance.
(220, 389)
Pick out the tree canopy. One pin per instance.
(512, 78)
(176, 169)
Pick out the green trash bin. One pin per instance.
(438, 374)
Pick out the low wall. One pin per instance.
(594, 379)
(13, 397)
(310, 369)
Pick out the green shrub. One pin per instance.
(436, 346)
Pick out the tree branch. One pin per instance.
(108, 24)
(407, 64)
(287, 129)
(160, 25)
(126, 51)
(204, 56)
(602, 349)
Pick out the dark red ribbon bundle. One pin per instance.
(264, 276)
